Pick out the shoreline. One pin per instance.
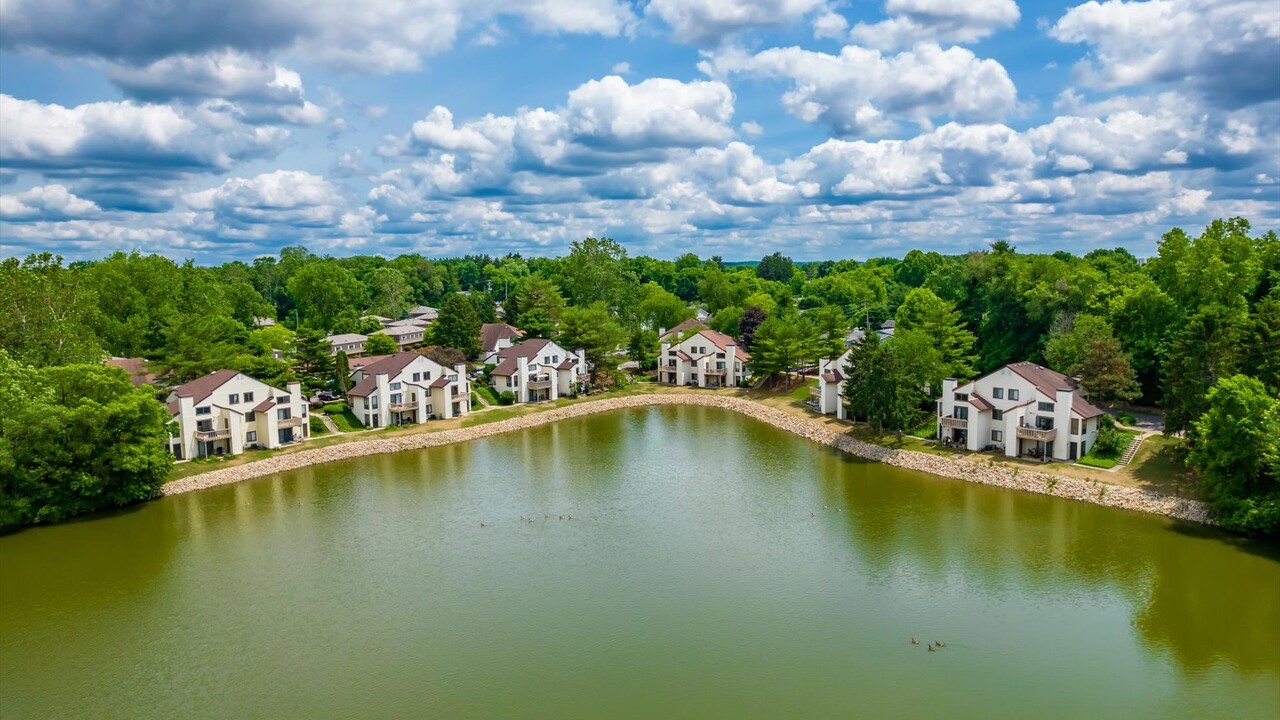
(999, 476)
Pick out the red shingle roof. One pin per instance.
(526, 349)
(1049, 382)
(491, 333)
(203, 387)
(391, 365)
(690, 324)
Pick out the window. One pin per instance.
(248, 397)
(203, 410)
(251, 436)
(997, 393)
(1045, 407)
(426, 375)
(417, 377)
(1013, 394)
(395, 399)
(282, 399)
(233, 399)
(373, 402)
(1075, 426)
(395, 386)
(453, 378)
(304, 411)
(515, 380)
(960, 413)
(283, 414)
(997, 436)
(997, 414)
(250, 416)
(962, 397)
(719, 355)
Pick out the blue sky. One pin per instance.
(227, 129)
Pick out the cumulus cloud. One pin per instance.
(707, 22)
(861, 92)
(266, 89)
(284, 197)
(1227, 49)
(385, 35)
(48, 202)
(106, 138)
(940, 21)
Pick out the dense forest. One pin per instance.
(1194, 330)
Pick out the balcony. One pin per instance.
(1034, 433)
(715, 371)
(402, 406)
(219, 434)
(292, 422)
(954, 423)
(539, 382)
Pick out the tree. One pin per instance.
(715, 290)
(1262, 344)
(597, 334)
(74, 439)
(780, 345)
(832, 327)
(775, 267)
(643, 348)
(198, 345)
(1237, 450)
(540, 305)
(458, 326)
(390, 292)
(380, 343)
(1207, 349)
(662, 309)
(925, 311)
(321, 290)
(595, 271)
(1145, 320)
(47, 314)
(1071, 336)
(1105, 372)
(342, 373)
(313, 359)
(728, 321)
(750, 322)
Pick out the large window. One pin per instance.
(997, 436)
(962, 397)
(251, 436)
(204, 410)
(960, 413)
(1045, 407)
(997, 393)
(1013, 393)
(250, 416)
(395, 399)
(1075, 426)
(395, 386)
(283, 414)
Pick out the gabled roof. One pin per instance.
(424, 311)
(391, 365)
(526, 349)
(346, 338)
(567, 364)
(366, 361)
(401, 330)
(687, 325)
(833, 376)
(440, 381)
(722, 341)
(137, 369)
(265, 405)
(979, 402)
(203, 387)
(418, 322)
(1048, 382)
(491, 333)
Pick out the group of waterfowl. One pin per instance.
(530, 518)
(824, 507)
(933, 646)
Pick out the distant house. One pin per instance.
(831, 399)
(495, 337)
(699, 356)
(227, 411)
(408, 389)
(139, 372)
(678, 331)
(538, 370)
(425, 312)
(381, 319)
(407, 335)
(262, 322)
(702, 315)
(349, 343)
(1022, 409)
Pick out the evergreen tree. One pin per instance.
(342, 373)
(458, 326)
(1207, 349)
(598, 335)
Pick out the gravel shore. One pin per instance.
(1000, 476)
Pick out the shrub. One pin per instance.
(1110, 442)
(317, 425)
(1126, 418)
(506, 397)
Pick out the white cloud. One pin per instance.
(125, 137)
(283, 197)
(656, 112)
(940, 21)
(622, 68)
(861, 92)
(830, 25)
(753, 129)
(706, 22)
(1228, 49)
(48, 202)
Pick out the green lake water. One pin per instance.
(714, 568)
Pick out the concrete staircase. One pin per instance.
(1130, 451)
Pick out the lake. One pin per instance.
(714, 567)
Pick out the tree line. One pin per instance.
(1164, 332)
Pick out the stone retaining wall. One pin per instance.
(998, 475)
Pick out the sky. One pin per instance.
(227, 129)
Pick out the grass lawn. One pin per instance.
(342, 416)
(1159, 466)
(1106, 462)
(925, 431)
(487, 393)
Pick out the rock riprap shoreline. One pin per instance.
(997, 475)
